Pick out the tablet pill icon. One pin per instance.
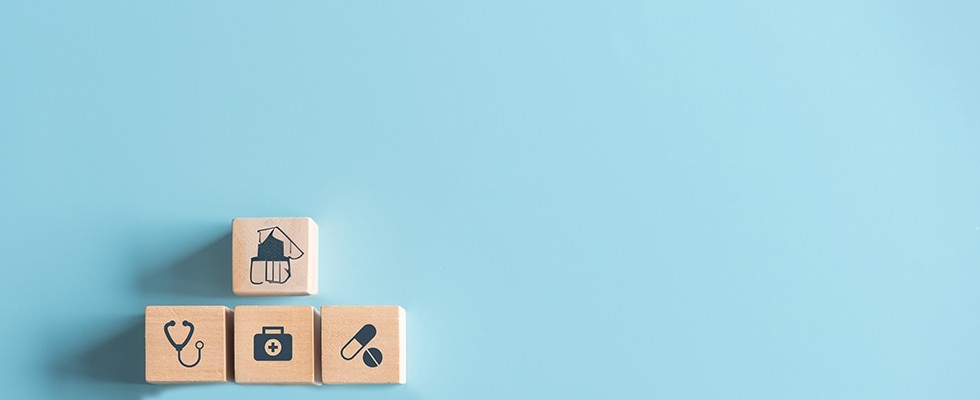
(372, 357)
(362, 338)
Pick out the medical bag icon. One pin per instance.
(273, 344)
(271, 264)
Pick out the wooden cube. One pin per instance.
(188, 344)
(363, 344)
(274, 256)
(277, 344)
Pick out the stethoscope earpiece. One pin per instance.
(180, 347)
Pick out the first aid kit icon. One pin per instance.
(273, 344)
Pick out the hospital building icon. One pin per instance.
(275, 250)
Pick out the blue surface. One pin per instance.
(689, 200)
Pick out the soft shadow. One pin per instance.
(205, 273)
(111, 367)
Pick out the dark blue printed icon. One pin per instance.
(271, 263)
(273, 344)
(180, 346)
(372, 356)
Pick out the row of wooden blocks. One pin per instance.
(275, 344)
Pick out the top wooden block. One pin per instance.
(274, 256)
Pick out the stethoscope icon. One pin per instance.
(179, 347)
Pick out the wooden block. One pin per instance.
(363, 344)
(277, 344)
(274, 256)
(198, 348)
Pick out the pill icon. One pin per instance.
(372, 357)
(362, 337)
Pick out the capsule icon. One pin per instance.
(362, 337)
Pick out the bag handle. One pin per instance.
(267, 330)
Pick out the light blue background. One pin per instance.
(687, 200)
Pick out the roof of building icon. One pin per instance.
(272, 246)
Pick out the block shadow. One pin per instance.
(111, 367)
(203, 273)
